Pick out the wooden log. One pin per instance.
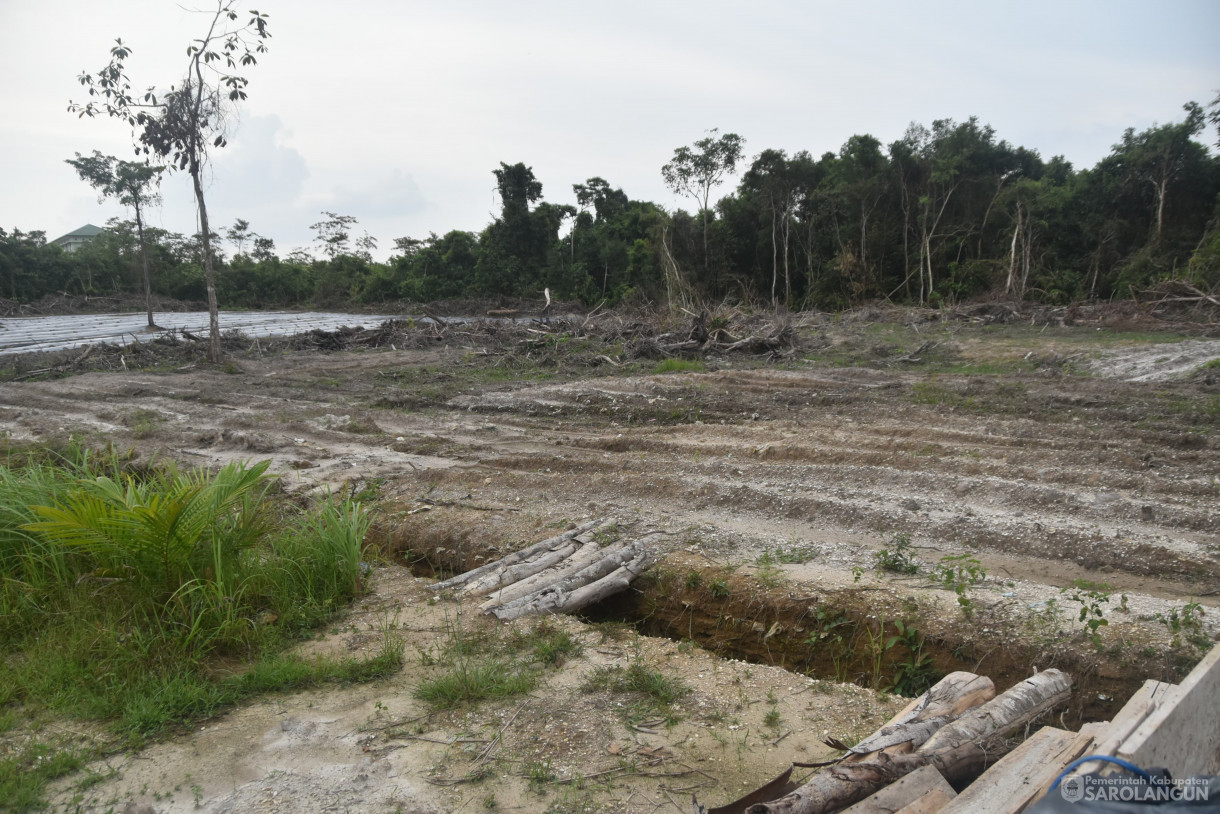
(946, 701)
(555, 597)
(549, 594)
(839, 786)
(608, 585)
(516, 556)
(1021, 777)
(588, 553)
(509, 574)
(958, 751)
(902, 792)
(1006, 713)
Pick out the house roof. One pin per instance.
(88, 230)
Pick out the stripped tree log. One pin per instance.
(1021, 704)
(612, 573)
(559, 575)
(946, 700)
(612, 583)
(952, 696)
(959, 750)
(588, 553)
(515, 573)
(515, 557)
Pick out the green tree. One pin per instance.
(29, 267)
(238, 234)
(186, 121)
(334, 234)
(516, 247)
(695, 172)
(133, 184)
(1159, 155)
(778, 184)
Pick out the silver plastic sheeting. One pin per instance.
(34, 334)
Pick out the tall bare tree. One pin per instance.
(185, 122)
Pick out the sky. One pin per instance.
(396, 112)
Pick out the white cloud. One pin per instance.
(397, 113)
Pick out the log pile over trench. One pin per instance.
(562, 574)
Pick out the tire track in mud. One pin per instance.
(1021, 481)
(1092, 496)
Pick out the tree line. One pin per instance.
(944, 213)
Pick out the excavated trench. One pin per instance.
(865, 636)
(855, 636)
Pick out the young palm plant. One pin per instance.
(172, 538)
(163, 531)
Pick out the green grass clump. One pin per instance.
(474, 680)
(547, 644)
(482, 667)
(639, 678)
(121, 587)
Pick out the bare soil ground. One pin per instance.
(1055, 456)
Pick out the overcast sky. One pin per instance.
(397, 112)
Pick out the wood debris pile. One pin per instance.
(1178, 294)
(947, 736)
(562, 574)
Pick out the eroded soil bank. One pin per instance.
(781, 481)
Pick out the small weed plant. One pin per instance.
(831, 633)
(916, 673)
(479, 667)
(795, 554)
(1185, 625)
(1093, 599)
(768, 573)
(960, 574)
(657, 692)
(898, 559)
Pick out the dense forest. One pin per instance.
(945, 213)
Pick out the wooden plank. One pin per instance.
(1139, 706)
(902, 792)
(931, 803)
(1022, 776)
(1181, 734)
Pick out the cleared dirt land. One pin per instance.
(1066, 467)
